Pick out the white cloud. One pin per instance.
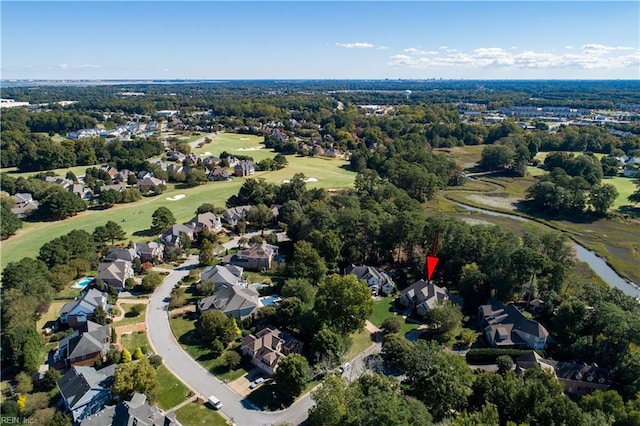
(416, 51)
(568, 47)
(76, 66)
(356, 45)
(590, 56)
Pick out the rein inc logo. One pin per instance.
(4, 420)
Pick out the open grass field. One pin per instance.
(195, 414)
(360, 341)
(135, 218)
(625, 186)
(236, 144)
(171, 391)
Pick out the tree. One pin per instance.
(291, 377)
(59, 205)
(497, 157)
(343, 303)
(259, 216)
(137, 309)
(329, 345)
(217, 348)
(24, 383)
(99, 315)
(300, 288)
(109, 197)
(207, 257)
(444, 321)
(111, 231)
(232, 358)
(137, 354)
(135, 377)
(504, 363)
(151, 281)
(635, 197)
(602, 197)
(215, 324)
(391, 324)
(162, 219)
(51, 377)
(205, 208)
(126, 356)
(9, 223)
(306, 262)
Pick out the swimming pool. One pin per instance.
(83, 282)
(270, 300)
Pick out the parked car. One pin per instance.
(344, 367)
(257, 382)
(215, 402)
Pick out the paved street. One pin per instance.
(241, 412)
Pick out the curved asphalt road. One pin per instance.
(238, 410)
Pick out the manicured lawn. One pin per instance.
(128, 319)
(199, 414)
(382, 309)
(171, 391)
(135, 340)
(185, 333)
(625, 187)
(135, 218)
(51, 316)
(360, 341)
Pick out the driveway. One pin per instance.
(234, 407)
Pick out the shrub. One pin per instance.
(490, 355)
(155, 360)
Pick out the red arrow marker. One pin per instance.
(431, 265)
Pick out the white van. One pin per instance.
(215, 402)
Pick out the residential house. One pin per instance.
(223, 275)
(149, 252)
(177, 168)
(377, 280)
(85, 390)
(149, 183)
(57, 180)
(506, 326)
(81, 310)
(111, 171)
(143, 174)
(115, 274)
(210, 160)
(78, 189)
(207, 220)
(268, 346)
(231, 161)
(171, 237)
(135, 412)
(256, 256)
(119, 253)
(423, 296)
(84, 133)
(234, 215)
(238, 301)
(244, 168)
(578, 378)
(84, 346)
(176, 156)
(123, 175)
(219, 174)
(24, 204)
(120, 187)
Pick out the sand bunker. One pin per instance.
(311, 179)
(176, 197)
(255, 148)
(244, 139)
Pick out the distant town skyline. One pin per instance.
(320, 40)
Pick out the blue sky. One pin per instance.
(300, 40)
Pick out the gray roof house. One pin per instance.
(268, 346)
(149, 183)
(84, 347)
(86, 391)
(78, 312)
(24, 204)
(148, 252)
(506, 326)
(119, 253)
(422, 296)
(578, 378)
(256, 256)
(207, 220)
(223, 275)
(115, 273)
(135, 412)
(171, 237)
(237, 301)
(234, 214)
(377, 280)
(244, 168)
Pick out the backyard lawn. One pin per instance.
(382, 309)
(128, 315)
(171, 391)
(199, 414)
(134, 340)
(360, 341)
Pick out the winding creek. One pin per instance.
(596, 263)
